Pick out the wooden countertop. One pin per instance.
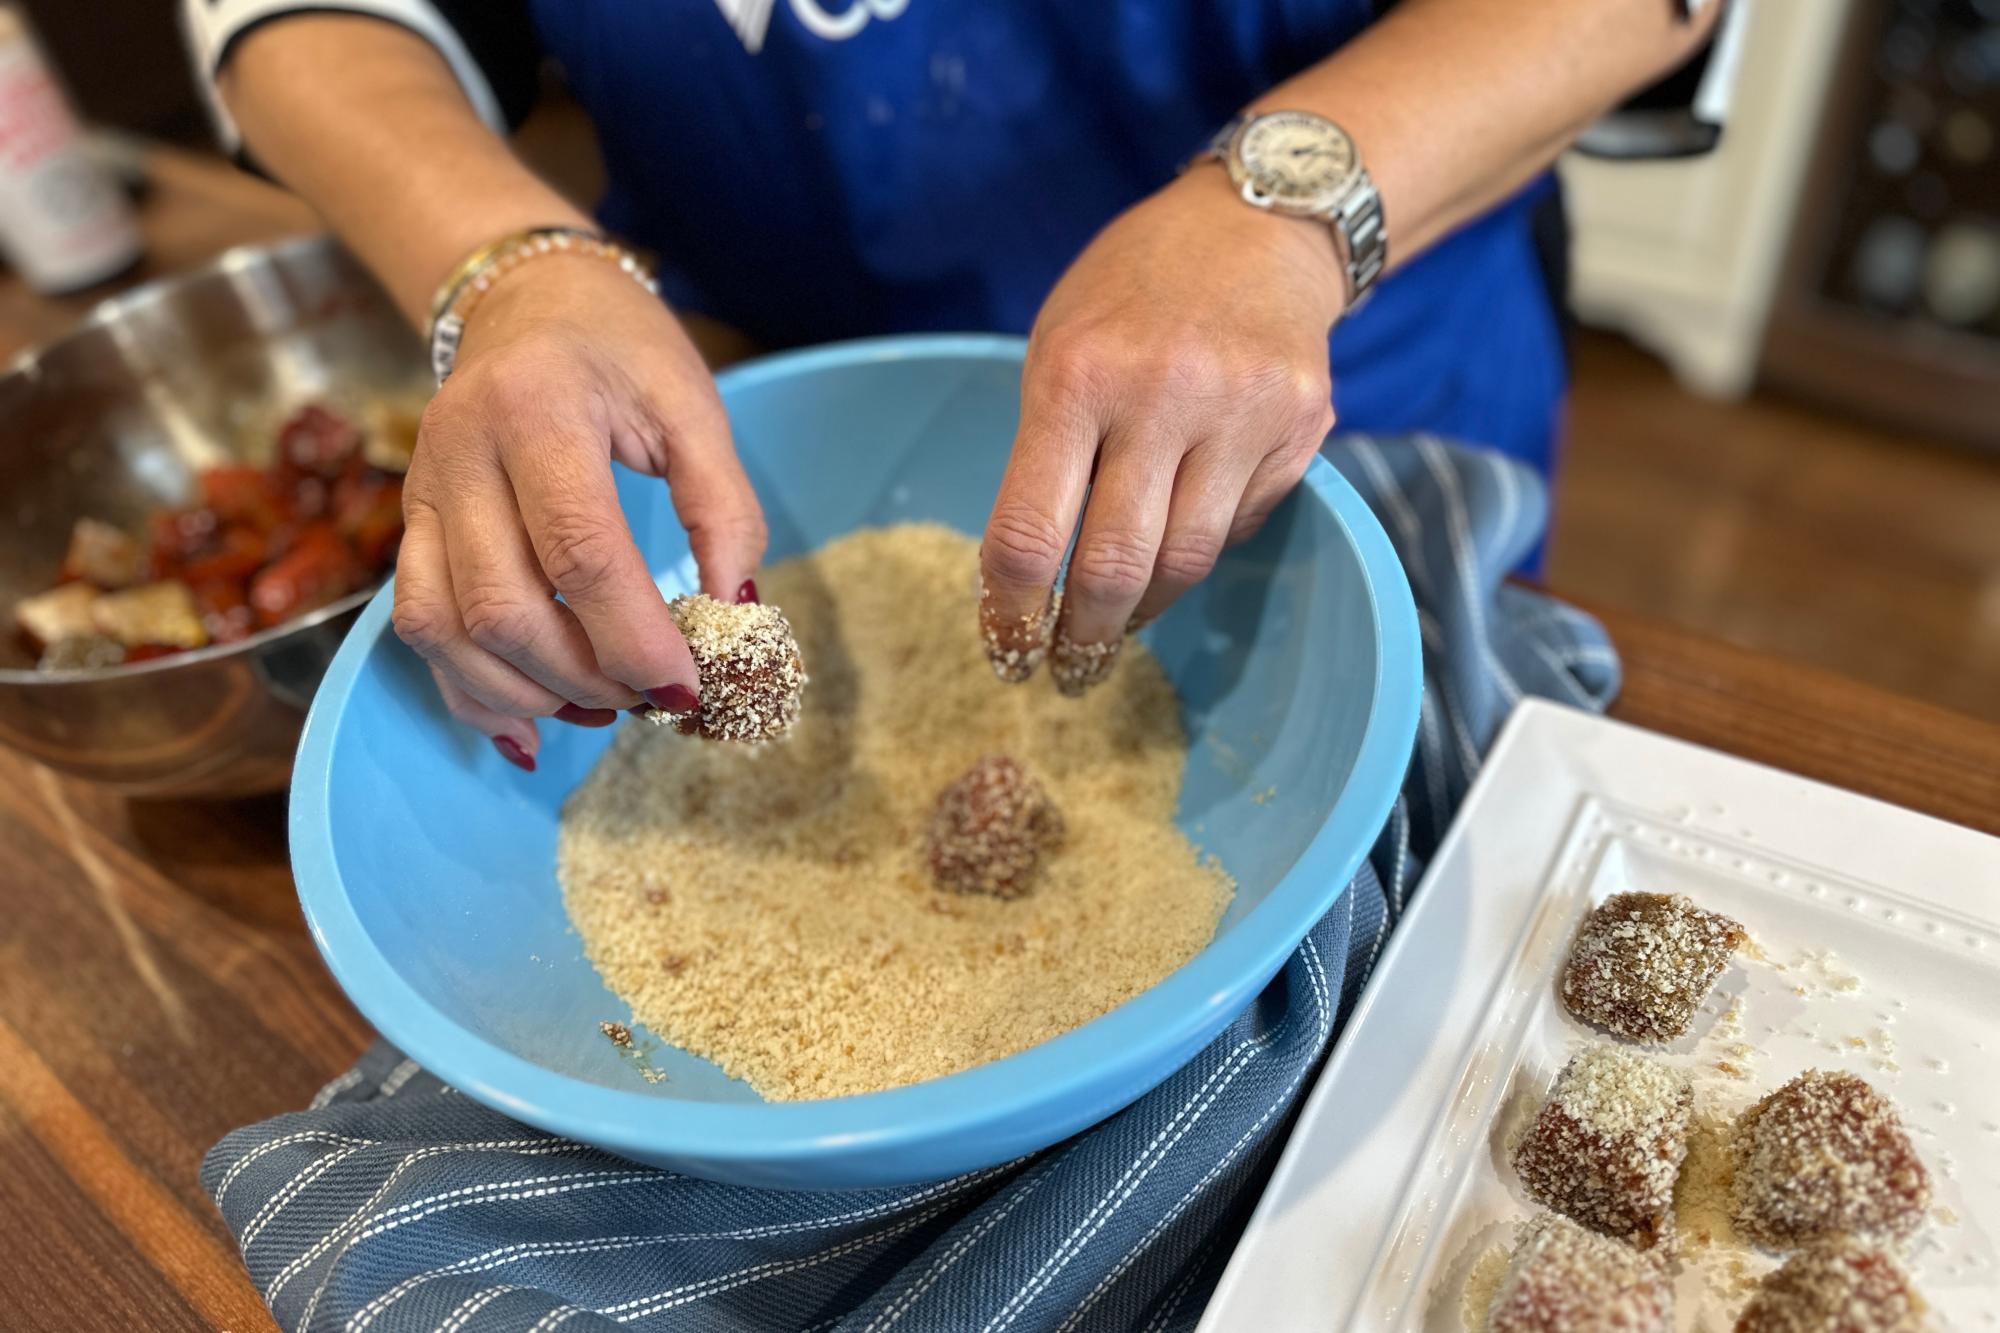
(157, 987)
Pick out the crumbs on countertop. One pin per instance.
(1482, 1284)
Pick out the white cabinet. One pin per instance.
(1684, 256)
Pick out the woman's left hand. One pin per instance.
(1178, 374)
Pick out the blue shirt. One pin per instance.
(825, 169)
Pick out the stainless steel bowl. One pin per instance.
(117, 419)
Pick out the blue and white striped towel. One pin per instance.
(396, 1205)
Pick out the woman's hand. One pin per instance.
(1178, 372)
(566, 365)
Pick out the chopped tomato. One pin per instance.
(239, 554)
(243, 496)
(317, 569)
(176, 536)
(306, 499)
(368, 510)
(318, 442)
(380, 530)
(263, 544)
(225, 609)
(354, 494)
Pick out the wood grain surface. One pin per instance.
(157, 986)
(1783, 528)
(1806, 721)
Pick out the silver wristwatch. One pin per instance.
(1303, 165)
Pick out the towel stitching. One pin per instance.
(523, 1250)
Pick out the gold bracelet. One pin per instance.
(468, 283)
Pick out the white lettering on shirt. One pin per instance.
(751, 19)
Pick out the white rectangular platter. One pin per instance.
(1877, 951)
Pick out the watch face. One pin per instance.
(1296, 161)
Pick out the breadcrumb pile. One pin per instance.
(771, 908)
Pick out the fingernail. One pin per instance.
(1016, 647)
(579, 716)
(747, 593)
(510, 750)
(1076, 667)
(674, 699)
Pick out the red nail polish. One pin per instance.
(510, 750)
(747, 593)
(579, 716)
(674, 699)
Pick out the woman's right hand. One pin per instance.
(564, 366)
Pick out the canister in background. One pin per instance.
(64, 223)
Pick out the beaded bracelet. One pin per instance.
(460, 293)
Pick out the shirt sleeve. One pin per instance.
(488, 44)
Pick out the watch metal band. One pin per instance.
(1359, 223)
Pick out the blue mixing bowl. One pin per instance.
(426, 864)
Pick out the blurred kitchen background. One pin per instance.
(1785, 426)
